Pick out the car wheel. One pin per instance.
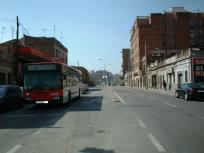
(4, 107)
(176, 95)
(20, 104)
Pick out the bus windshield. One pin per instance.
(42, 80)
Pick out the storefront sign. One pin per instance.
(198, 69)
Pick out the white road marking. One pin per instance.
(119, 97)
(156, 143)
(150, 97)
(174, 106)
(14, 149)
(141, 123)
(37, 132)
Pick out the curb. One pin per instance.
(159, 91)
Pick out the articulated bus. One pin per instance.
(51, 82)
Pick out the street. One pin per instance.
(107, 120)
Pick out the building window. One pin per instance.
(2, 78)
(186, 76)
(9, 78)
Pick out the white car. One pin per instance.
(85, 88)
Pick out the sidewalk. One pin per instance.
(152, 90)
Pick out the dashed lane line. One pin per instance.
(156, 143)
(171, 105)
(15, 148)
(119, 97)
(141, 123)
(150, 97)
(37, 132)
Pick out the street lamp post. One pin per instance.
(104, 69)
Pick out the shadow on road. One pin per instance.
(91, 103)
(94, 89)
(46, 116)
(95, 150)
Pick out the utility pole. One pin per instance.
(165, 35)
(146, 79)
(17, 51)
(198, 28)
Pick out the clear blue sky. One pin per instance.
(91, 29)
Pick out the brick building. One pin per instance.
(162, 35)
(49, 45)
(31, 49)
(126, 61)
(6, 62)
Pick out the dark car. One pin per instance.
(190, 91)
(10, 96)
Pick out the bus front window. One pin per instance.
(42, 80)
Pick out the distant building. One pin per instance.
(161, 35)
(126, 61)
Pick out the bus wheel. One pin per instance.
(69, 97)
(79, 93)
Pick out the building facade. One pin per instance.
(30, 49)
(125, 60)
(185, 66)
(6, 62)
(162, 35)
(49, 45)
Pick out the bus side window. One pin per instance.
(64, 80)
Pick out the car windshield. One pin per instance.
(2, 91)
(42, 80)
(195, 85)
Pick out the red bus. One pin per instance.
(51, 82)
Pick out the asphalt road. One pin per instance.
(108, 120)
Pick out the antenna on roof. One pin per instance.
(2, 32)
(61, 37)
(54, 30)
(12, 32)
(44, 32)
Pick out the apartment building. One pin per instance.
(126, 61)
(49, 45)
(162, 35)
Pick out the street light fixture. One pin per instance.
(104, 75)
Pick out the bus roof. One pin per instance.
(54, 63)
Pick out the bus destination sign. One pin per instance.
(41, 67)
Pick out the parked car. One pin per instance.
(85, 88)
(10, 96)
(190, 91)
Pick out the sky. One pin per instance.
(90, 29)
